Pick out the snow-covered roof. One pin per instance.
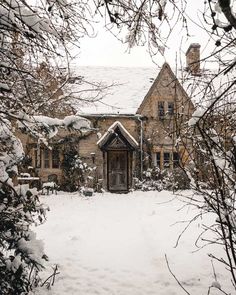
(130, 87)
(132, 84)
(124, 132)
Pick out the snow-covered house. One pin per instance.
(133, 128)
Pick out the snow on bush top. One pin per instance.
(74, 121)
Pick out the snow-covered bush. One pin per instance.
(21, 254)
(166, 179)
(76, 173)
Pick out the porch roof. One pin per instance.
(112, 130)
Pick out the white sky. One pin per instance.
(106, 50)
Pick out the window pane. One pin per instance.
(175, 159)
(46, 159)
(37, 157)
(158, 159)
(171, 108)
(55, 158)
(161, 109)
(166, 160)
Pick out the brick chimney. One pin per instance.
(193, 59)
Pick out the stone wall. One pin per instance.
(159, 132)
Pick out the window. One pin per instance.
(37, 157)
(55, 158)
(158, 159)
(175, 159)
(46, 158)
(170, 108)
(161, 109)
(166, 160)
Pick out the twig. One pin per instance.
(52, 276)
(167, 262)
(214, 272)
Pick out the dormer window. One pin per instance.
(161, 109)
(170, 108)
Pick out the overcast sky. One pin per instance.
(106, 50)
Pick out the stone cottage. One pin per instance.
(122, 145)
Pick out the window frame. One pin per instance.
(175, 161)
(170, 110)
(38, 157)
(161, 109)
(46, 158)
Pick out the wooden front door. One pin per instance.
(117, 170)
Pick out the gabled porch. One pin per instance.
(118, 147)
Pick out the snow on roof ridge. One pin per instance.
(109, 115)
(111, 130)
(114, 67)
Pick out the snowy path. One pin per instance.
(116, 244)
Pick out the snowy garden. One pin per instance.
(155, 238)
(118, 244)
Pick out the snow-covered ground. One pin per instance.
(116, 244)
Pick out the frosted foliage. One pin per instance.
(73, 122)
(32, 247)
(19, 209)
(27, 16)
(211, 169)
(33, 36)
(11, 153)
(77, 122)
